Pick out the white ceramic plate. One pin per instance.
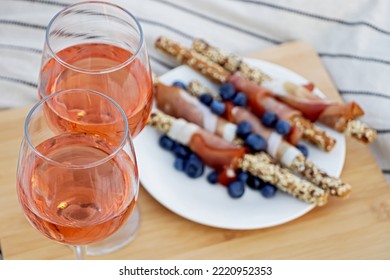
(201, 202)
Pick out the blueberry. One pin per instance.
(268, 190)
(244, 128)
(254, 182)
(227, 91)
(236, 189)
(206, 99)
(269, 119)
(303, 150)
(282, 127)
(167, 143)
(243, 176)
(240, 99)
(194, 167)
(179, 84)
(217, 107)
(179, 164)
(212, 177)
(182, 151)
(255, 143)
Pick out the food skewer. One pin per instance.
(339, 116)
(221, 155)
(176, 102)
(258, 103)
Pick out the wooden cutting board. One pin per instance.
(357, 228)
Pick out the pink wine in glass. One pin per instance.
(106, 69)
(88, 195)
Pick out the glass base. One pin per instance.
(119, 239)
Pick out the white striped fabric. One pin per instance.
(352, 38)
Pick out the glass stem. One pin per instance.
(80, 252)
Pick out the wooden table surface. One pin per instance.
(357, 228)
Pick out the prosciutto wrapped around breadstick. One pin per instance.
(221, 155)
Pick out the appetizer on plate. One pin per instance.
(253, 125)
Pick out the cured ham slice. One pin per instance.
(176, 102)
(331, 113)
(261, 99)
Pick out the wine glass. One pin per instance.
(100, 46)
(77, 178)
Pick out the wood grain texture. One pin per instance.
(356, 228)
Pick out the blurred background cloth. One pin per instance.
(351, 37)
